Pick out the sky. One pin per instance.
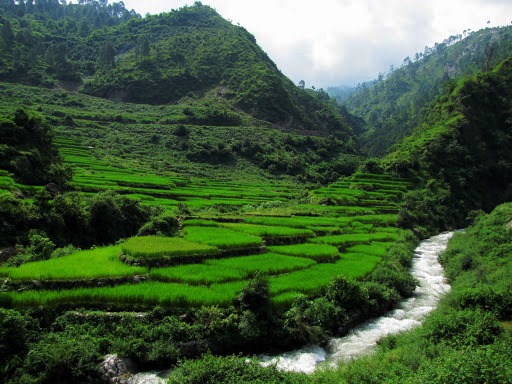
(345, 42)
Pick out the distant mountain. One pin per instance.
(341, 92)
(394, 104)
(106, 51)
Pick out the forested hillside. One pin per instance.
(461, 153)
(111, 52)
(394, 104)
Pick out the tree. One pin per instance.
(106, 55)
(143, 47)
(7, 35)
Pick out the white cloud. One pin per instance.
(330, 42)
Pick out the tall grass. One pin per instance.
(80, 265)
(270, 263)
(355, 238)
(154, 247)
(222, 238)
(318, 252)
(318, 276)
(144, 294)
(231, 269)
(299, 221)
(376, 249)
(269, 231)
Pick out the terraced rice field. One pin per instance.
(94, 175)
(344, 230)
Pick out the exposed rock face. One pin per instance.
(116, 369)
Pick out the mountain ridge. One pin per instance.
(158, 59)
(393, 105)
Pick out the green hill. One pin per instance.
(460, 154)
(218, 207)
(190, 52)
(394, 104)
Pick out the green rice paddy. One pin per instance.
(347, 236)
(232, 269)
(318, 252)
(81, 265)
(222, 238)
(154, 247)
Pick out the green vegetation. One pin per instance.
(355, 238)
(27, 150)
(376, 249)
(147, 294)
(467, 124)
(270, 233)
(80, 265)
(234, 196)
(231, 370)
(222, 237)
(114, 53)
(318, 252)
(391, 107)
(162, 248)
(231, 269)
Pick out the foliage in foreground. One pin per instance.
(157, 339)
(231, 370)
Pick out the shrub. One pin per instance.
(163, 225)
(71, 356)
(16, 333)
(462, 328)
(231, 370)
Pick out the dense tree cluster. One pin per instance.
(27, 150)
(45, 41)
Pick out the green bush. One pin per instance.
(64, 357)
(17, 333)
(490, 364)
(231, 370)
(163, 225)
(462, 328)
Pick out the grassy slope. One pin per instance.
(183, 138)
(194, 50)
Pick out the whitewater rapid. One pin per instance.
(362, 339)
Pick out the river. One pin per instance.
(363, 338)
